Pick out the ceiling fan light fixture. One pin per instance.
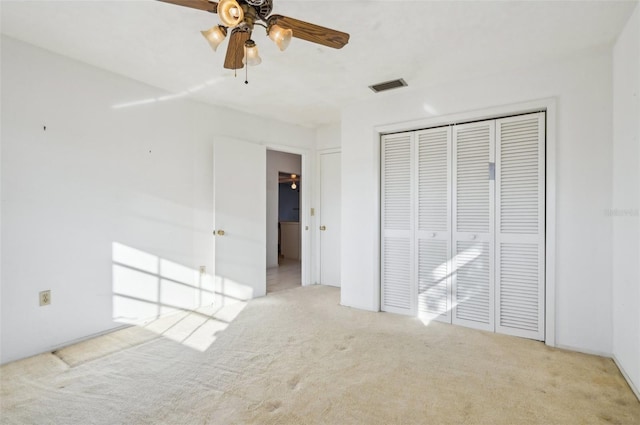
(230, 13)
(238, 18)
(280, 36)
(215, 36)
(251, 56)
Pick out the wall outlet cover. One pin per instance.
(45, 297)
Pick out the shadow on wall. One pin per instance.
(170, 299)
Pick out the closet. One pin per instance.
(462, 224)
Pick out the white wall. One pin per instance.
(328, 137)
(140, 176)
(583, 88)
(276, 162)
(626, 200)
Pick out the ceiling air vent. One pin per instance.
(388, 85)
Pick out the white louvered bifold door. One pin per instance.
(520, 209)
(473, 225)
(433, 222)
(398, 291)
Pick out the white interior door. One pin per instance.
(330, 210)
(433, 223)
(398, 288)
(239, 207)
(520, 212)
(473, 225)
(463, 224)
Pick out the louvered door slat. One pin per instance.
(397, 291)
(433, 235)
(397, 182)
(397, 282)
(473, 226)
(433, 288)
(520, 226)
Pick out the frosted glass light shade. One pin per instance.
(280, 36)
(215, 36)
(251, 56)
(230, 13)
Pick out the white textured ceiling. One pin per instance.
(424, 42)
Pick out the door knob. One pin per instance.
(474, 237)
(220, 232)
(323, 228)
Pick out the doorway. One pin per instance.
(284, 224)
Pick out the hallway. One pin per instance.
(285, 276)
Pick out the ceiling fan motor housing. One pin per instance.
(263, 7)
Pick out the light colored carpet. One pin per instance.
(297, 357)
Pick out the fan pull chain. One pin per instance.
(246, 67)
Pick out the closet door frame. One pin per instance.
(548, 105)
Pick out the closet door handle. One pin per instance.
(323, 228)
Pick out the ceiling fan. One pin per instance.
(292, 179)
(240, 16)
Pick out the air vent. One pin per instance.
(388, 85)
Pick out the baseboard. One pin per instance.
(634, 389)
(358, 307)
(86, 338)
(583, 351)
(57, 347)
(626, 377)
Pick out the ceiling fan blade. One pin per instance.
(311, 32)
(235, 50)
(195, 4)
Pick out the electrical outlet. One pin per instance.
(45, 297)
(203, 269)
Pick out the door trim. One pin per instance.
(549, 105)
